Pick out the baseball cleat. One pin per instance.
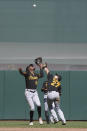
(56, 121)
(40, 121)
(64, 123)
(51, 119)
(31, 123)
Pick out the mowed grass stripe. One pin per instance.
(25, 124)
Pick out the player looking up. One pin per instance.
(31, 93)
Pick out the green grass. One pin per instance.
(25, 124)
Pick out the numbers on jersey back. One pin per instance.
(55, 83)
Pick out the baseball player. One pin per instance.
(45, 90)
(54, 87)
(31, 93)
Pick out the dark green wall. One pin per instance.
(78, 95)
(12, 100)
(51, 21)
(73, 100)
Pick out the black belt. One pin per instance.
(51, 91)
(33, 91)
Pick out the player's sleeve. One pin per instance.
(40, 75)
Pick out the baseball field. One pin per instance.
(24, 125)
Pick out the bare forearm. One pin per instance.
(46, 70)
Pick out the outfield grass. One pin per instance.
(25, 124)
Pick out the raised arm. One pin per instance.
(40, 75)
(46, 70)
(49, 75)
(21, 72)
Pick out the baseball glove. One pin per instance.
(38, 60)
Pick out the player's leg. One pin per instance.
(51, 117)
(29, 99)
(52, 111)
(60, 112)
(46, 109)
(51, 97)
(37, 102)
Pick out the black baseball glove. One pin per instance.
(38, 60)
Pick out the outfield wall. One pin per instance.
(73, 100)
(55, 30)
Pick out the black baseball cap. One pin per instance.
(31, 65)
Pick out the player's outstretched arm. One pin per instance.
(40, 66)
(49, 75)
(40, 75)
(21, 72)
(46, 70)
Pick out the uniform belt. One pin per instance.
(52, 91)
(33, 91)
(49, 91)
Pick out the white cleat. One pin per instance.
(64, 122)
(52, 121)
(40, 121)
(31, 123)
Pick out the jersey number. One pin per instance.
(55, 83)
